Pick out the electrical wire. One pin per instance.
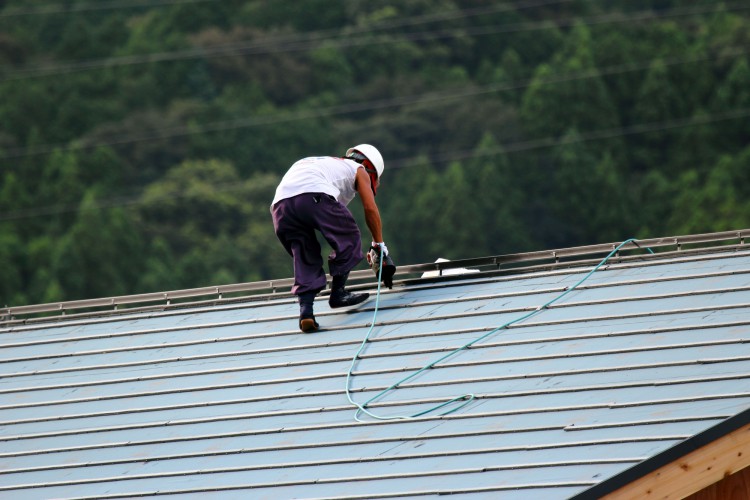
(111, 202)
(118, 5)
(595, 135)
(381, 104)
(542, 143)
(271, 44)
(307, 42)
(403, 101)
(465, 399)
(85, 7)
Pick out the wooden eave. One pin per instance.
(684, 469)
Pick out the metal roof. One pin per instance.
(227, 396)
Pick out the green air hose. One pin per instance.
(466, 398)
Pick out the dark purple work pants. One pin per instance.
(295, 221)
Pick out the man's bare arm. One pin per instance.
(372, 215)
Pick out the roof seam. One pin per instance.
(474, 313)
(594, 286)
(370, 355)
(659, 259)
(336, 409)
(379, 477)
(610, 334)
(381, 404)
(338, 426)
(406, 385)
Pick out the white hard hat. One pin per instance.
(372, 154)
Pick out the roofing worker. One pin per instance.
(312, 196)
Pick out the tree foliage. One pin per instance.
(140, 145)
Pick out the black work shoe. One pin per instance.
(307, 321)
(341, 298)
(308, 325)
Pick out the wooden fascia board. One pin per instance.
(685, 468)
(693, 472)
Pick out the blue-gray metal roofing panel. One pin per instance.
(231, 399)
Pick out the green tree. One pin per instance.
(654, 196)
(100, 254)
(41, 283)
(733, 94)
(261, 256)
(656, 103)
(695, 146)
(193, 200)
(302, 16)
(12, 266)
(73, 43)
(26, 111)
(198, 141)
(508, 76)
(497, 194)
(589, 196)
(716, 201)
(410, 218)
(60, 189)
(568, 92)
(450, 197)
(211, 225)
(159, 266)
(331, 71)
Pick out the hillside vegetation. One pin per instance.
(141, 142)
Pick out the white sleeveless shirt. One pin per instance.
(319, 174)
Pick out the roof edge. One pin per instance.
(666, 457)
(563, 257)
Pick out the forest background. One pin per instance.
(141, 141)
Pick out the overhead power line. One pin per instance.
(270, 44)
(343, 109)
(42, 10)
(592, 135)
(91, 6)
(514, 147)
(310, 41)
(64, 208)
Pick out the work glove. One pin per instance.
(378, 251)
(381, 246)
